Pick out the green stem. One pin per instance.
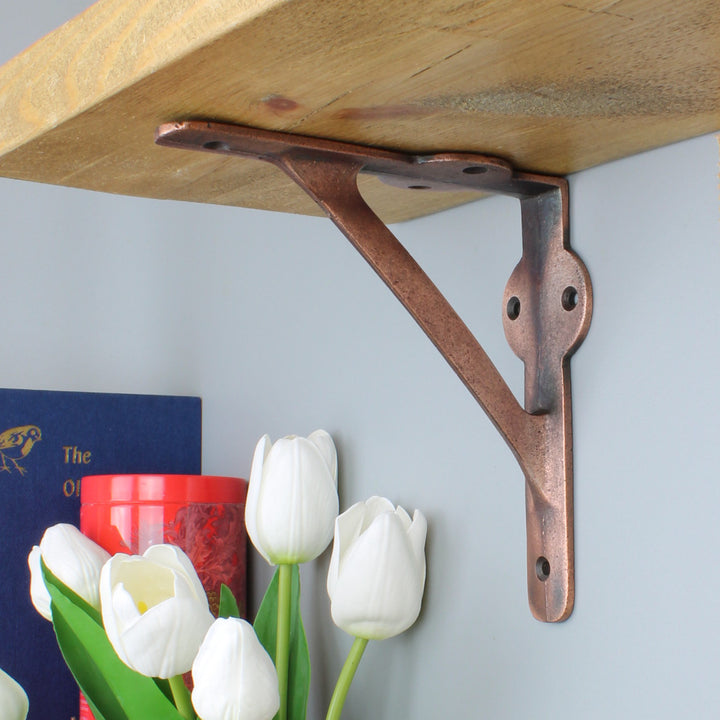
(181, 696)
(346, 677)
(282, 648)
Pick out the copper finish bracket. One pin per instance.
(546, 308)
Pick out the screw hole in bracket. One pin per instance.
(570, 298)
(542, 568)
(513, 308)
(217, 145)
(475, 170)
(419, 187)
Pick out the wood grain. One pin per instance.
(552, 86)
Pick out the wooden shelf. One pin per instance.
(551, 86)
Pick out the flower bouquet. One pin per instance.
(137, 632)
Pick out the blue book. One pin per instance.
(48, 441)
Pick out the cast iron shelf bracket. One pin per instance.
(547, 307)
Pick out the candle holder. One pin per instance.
(203, 515)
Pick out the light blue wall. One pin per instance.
(280, 327)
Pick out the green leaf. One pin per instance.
(266, 619)
(266, 630)
(228, 603)
(113, 690)
(299, 678)
(95, 711)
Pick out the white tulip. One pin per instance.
(73, 558)
(233, 676)
(292, 497)
(376, 576)
(13, 700)
(155, 610)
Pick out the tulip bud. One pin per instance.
(233, 675)
(13, 700)
(74, 559)
(154, 610)
(292, 497)
(376, 576)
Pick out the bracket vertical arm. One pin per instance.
(548, 305)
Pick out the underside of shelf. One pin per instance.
(550, 86)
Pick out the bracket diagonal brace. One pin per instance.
(547, 307)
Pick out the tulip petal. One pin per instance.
(148, 583)
(252, 500)
(39, 594)
(13, 699)
(173, 558)
(124, 614)
(348, 527)
(388, 605)
(119, 610)
(164, 640)
(324, 443)
(152, 612)
(298, 502)
(125, 607)
(374, 507)
(404, 518)
(106, 604)
(417, 534)
(292, 497)
(74, 559)
(234, 677)
(378, 577)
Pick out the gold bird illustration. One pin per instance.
(15, 444)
